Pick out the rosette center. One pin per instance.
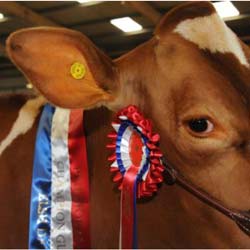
(135, 149)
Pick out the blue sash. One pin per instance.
(40, 206)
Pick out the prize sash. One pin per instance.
(59, 214)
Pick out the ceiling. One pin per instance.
(92, 19)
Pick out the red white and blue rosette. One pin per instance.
(136, 164)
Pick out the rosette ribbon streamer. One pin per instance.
(137, 167)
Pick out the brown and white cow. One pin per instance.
(193, 69)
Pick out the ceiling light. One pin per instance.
(226, 9)
(3, 18)
(126, 24)
(29, 86)
(85, 3)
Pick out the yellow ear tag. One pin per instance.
(77, 70)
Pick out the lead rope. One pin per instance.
(241, 218)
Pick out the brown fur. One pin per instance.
(172, 81)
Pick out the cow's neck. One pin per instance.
(173, 218)
(15, 175)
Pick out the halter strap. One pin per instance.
(241, 218)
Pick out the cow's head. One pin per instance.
(191, 79)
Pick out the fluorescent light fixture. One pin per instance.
(126, 24)
(29, 86)
(88, 2)
(3, 18)
(226, 9)
(84, 1)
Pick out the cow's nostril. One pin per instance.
(244, 146)
(15, 47)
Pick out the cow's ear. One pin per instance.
(64, 66)
(183, 12)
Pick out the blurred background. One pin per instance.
(114, 26)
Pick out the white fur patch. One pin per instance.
(210, 32)
(24, 122)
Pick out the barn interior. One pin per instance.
(97, 20)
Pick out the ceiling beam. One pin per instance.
(2, 50)
(146, 10)
(26, 14)
(245, 38)
(236, 18)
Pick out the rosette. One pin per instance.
(135, 144)
(136, 164)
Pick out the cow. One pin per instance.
(191, 79)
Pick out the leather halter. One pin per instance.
(241, 218)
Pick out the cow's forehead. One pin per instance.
(211, 33)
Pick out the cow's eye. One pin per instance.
(200, 125)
